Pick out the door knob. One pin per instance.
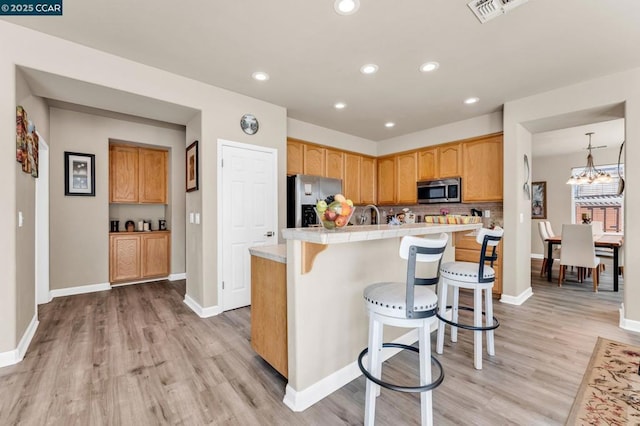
(269, 234)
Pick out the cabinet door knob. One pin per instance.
(269, 234)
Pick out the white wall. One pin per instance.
(555, 170)
(477, 126)
(621, 88)
(220, 115)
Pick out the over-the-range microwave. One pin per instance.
(439, 191)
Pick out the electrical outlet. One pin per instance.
(191, 217)
(487, 213)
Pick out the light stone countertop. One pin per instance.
(371, 232)
(277, 253)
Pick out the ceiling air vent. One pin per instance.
(486, 10)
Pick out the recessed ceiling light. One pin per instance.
(369, 69)
(339, 105)
(389, 124)
(346, 7)
(260, 76)
(470, 101)
(429, 66)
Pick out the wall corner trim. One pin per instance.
(82, 289)
(207, 312)
(176, 277)
(301, 400)
(16, 355)
(628, 324)
(517, 300)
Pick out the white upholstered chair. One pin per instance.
(410, 304)
(542, 230)
(578, 250)
(550, 232)
(479, 277)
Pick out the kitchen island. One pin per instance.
(327, 324)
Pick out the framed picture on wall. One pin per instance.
(192, 167)
(79, 174)
(539, 200)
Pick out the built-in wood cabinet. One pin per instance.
(368, 180)
(295, 157)
(269, 312)
(468, 250)
(482, 160)
(137, 175)
(449, 160)
(387, 180)
(406, 177)
(137, 256)
(314, 160)
(427, 164)
(334, 164)
(351, 182)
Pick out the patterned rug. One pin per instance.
(610, 389)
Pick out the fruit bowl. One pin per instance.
(336, 213)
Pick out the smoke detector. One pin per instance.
(486, 10)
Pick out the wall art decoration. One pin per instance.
(26, 142)
(79, 174)
(539, 201)
(192, 167)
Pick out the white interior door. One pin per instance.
(42, 224)
(249, 215)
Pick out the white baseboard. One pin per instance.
(176, 277)
(519, 299)
(537, 256)
(207, 312)
(301, 400)
(70, 291)
(16, 355)
(627, 324)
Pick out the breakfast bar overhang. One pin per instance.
(327, 323)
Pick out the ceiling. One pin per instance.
(313, 55)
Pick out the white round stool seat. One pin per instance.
(466, 272)
(389, 299)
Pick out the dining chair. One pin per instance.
(578, 250)
(542, 230)
(549, 229)
(597, 227)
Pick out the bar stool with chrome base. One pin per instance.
(476, 276)
(411, 305)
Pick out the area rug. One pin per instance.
(610, 389)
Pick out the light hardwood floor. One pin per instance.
(137, 355)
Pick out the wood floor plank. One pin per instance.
(137, 355)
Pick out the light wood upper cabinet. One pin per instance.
(449, 161)
(406, 177)
(123, 174)
(153, 176)
(351, 182)
(482, 169)
(387, 180)
(295, 157)
(334, 163)
(368, 180)
(137, 175)
(314, 160)
(427, 164)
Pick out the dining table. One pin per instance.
(612, 241)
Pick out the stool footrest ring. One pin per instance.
(495, 325)
(434, 384)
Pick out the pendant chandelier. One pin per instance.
(590, 174)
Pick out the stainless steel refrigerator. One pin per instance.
(303, 192)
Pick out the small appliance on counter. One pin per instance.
(303, 192)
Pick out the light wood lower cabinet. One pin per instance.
(137, 256)
(468, 250)
(269, 312)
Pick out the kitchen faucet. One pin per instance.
(363, 216)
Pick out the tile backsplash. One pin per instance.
(495, 209)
